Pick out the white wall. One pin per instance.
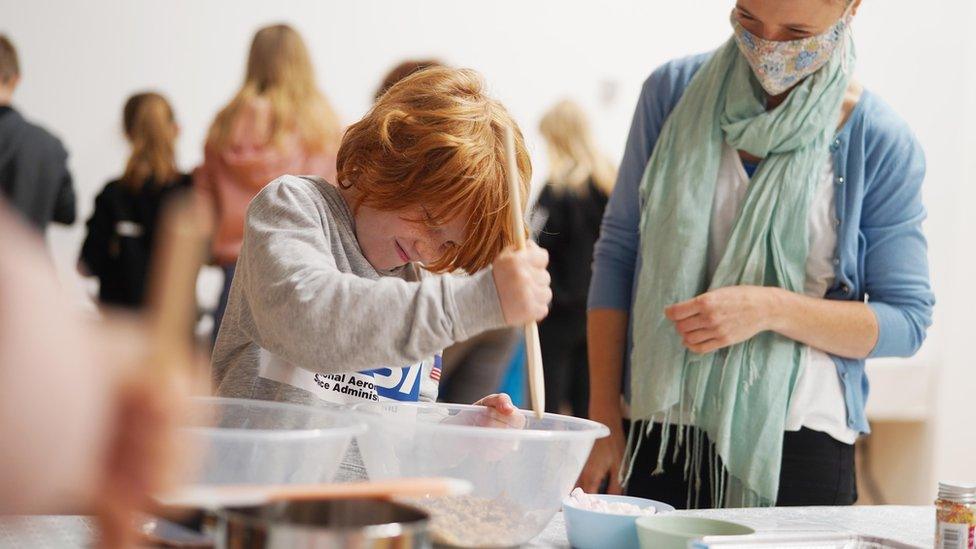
(954, 432)
(82, 59)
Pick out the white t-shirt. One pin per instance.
(818, 399)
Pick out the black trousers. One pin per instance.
(565, 366)
(816, 470)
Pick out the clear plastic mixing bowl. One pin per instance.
(261, 442)
(520, 475)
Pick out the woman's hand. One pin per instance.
(723, 317)
(522, 282)
(604, 462)
(731, 315)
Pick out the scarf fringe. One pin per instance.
(630, 451)
(700, 455)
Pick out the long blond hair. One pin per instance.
(574, 157)
(279, 69)
(151, 130)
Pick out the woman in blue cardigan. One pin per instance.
(763, 239)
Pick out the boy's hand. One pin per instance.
(498, 413)
(522, 282)
(501, 412)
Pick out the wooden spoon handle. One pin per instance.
(178, 256)
(212, 497)
(533, 350)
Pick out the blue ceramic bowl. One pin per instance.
(593, 530)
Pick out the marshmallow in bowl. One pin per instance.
(585, 501)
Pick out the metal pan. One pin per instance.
(360, 523)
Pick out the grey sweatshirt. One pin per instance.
(307, 310)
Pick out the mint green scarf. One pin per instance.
(737, 396)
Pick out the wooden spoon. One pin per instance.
(178, 257)
(533, 349)
(240, 495)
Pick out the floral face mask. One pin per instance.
(780, 65)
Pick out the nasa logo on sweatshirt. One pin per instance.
(396, 384)
(401, 384)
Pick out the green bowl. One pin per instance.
(674, 532)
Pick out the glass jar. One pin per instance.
(955, 516)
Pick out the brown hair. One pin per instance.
(402, 71)
(280, 70)
(574, 157)
(9, 65)
(151, 129)
(436, 139)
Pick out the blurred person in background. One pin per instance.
(476, 367)
(279, 122)
(87, 426)
(403, 70)
(120, 241)
(34, 177)
(570, 207)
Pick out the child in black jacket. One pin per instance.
(119, 243)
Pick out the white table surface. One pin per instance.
(911, 525)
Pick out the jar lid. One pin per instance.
(961, 492)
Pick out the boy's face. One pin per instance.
(391, 239)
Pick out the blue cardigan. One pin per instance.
(881, 251)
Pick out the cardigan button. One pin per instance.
(845, 289)
(840, 180)
(836, 261)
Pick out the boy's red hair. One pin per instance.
(436, 139)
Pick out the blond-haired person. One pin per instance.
(279, 122)
(570, 207)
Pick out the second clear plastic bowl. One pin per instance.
(520, 476)
(261, 442)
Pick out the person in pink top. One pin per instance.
(279, 122)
